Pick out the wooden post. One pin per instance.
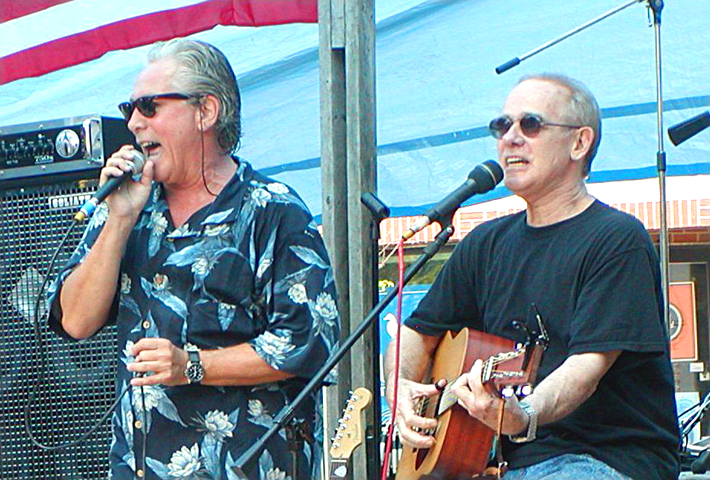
(334, 187)
(348, 167)
(362, 178)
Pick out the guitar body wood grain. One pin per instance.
(463, 444)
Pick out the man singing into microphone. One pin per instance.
(604, 405)
(216, 278)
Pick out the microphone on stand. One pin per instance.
(111, 184)
(684, 130)
(482, 179)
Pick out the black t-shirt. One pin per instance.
(596, 283)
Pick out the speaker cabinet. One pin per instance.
(77, 385)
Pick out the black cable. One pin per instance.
(41, 352)
(43, 360)
(202, 147)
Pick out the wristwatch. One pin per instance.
(194, 371)
(531, 432)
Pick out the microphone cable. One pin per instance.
(42, 371)
(395, 393)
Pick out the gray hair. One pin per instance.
(583, 108)
(204, 70)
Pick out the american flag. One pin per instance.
(40, 36)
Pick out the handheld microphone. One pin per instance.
(482, 179)
(684, 130)
(111, 184)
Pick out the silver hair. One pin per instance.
(204, 70)
(583, 108)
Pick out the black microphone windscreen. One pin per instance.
(684, 130)
(486, 175)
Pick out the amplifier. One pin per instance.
(62, 146)
(77, 385)
(47, 171)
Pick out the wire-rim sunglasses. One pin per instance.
(530, 125)
(146, 104)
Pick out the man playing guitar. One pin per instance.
(604, 405)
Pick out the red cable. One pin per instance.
(400, 289)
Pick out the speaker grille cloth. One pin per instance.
(79, 383)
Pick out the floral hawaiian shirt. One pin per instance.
(249, 267)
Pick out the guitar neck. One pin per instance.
(349, 433)
(448, 399)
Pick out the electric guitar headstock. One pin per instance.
(349, 433)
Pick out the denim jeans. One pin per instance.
(567, 467)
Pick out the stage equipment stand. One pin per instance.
(373, 430)
(287, 413)
(655, 7)
(349, 169)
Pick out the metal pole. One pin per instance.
(515, 61)
(656, 6)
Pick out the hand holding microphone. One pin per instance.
(136, 166)
(482, 179)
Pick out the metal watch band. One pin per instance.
(531, 432)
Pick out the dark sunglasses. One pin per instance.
(530, 124)
(146, 105)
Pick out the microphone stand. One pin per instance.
(516, 61)
(286, 414)
(656, 6)
(373, 433)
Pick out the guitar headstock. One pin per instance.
(505, 371)
(349, 432)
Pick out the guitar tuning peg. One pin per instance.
(508, 392)
(350, 407)
(524, 390)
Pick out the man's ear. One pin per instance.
(582, 144)
(209, 112)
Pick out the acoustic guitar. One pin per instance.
(463, 444)
(349, 433)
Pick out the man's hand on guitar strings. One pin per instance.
(483, 404)
(412, 425)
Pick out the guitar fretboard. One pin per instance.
(448, 399)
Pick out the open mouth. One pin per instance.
(150, 148)
(513, 161)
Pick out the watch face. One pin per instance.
(194, 372)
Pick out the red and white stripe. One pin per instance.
(40, 36)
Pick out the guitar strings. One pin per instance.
(450, 399)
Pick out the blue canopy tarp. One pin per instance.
(436, 88)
